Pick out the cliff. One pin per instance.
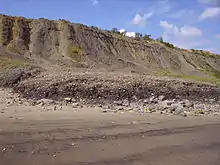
(65, 44)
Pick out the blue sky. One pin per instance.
(185, 23)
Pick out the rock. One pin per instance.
(163, 105)
(167, 102)
(73, 144)
(19, 118)
(41, 104)
(68, 100)
(133, 122)
(20, 102)
(118, 103)
(149, 110)
(146, 101)
(189, 113)
(120, 108)
(45, 102)
(177, 105)
(55, 108)
(153, 100)
(100, 106)
(211, 100)
(106, 107)
(183, 114)
(9, 102)
(73, 100)
(104, 111)
(216, 113)
(178, 111)
(171, 109)
(181, 102)
(75, 105)
(125, 103)
(161, 98)
(199, 112)
(187, 104)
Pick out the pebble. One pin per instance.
(120, 108)
(119, 103)
(75, 105)
(134, 122)
(104, 111)
(73, 144)
(160, 104)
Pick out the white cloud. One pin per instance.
(141, 20)
(188, 31)
(210, 12)
(218, 36)
(95, 2)
(185, 36)
(185, 31)
(166, 25)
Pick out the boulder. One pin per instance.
(187, 104)
(120, 108)
(118, 103)
(178, 111)
(153, 100)
(68, 100)
(125, 103)
(75, 105)
(45, 102)
(161, 98)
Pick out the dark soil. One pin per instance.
(12, 77)
(100, 88)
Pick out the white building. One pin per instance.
(128, 34)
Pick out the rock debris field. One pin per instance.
(116, 93)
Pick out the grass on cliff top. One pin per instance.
(213, 79)
(9, 63)
(206, 53)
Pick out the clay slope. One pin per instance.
(62, 43)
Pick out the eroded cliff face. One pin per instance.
(74, 44)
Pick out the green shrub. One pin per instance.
(147, 37)
(206, 53)
(214, 79)
(75, 53)
(168, 44)
(9, 63)
(94, 27)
